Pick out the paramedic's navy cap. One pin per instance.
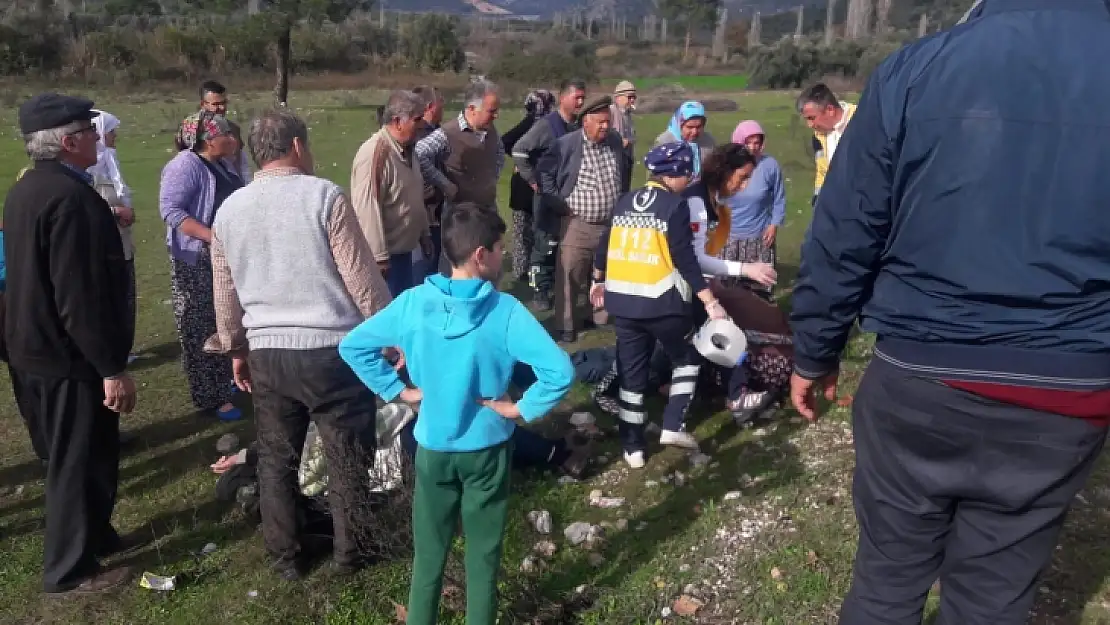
(674, 160)
(51, 110)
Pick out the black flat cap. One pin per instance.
(52, 110)
(596, 105)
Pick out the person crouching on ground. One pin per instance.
(652, 273)
(463, 460)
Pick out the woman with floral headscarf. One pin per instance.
(194, 185)
(539, 103)
(687, 126)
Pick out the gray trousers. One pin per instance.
(953, 486)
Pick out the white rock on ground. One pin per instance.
(595, 559)
(599, 500)
(581, 418)
(544, 548)
(540, 520)
(577, 533)
(532, 564)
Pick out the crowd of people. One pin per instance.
(976, 424)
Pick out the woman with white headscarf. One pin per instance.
(108, 180)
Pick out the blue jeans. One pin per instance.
(400, 277)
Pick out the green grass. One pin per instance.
(787, 537)
(723, 82)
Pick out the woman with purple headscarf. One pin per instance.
(539, 103)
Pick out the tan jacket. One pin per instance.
(387, 191)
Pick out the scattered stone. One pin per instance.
(581, 590)
(687, 605)
(595, 538)
(684, 568)
(532, 564)
(690, 589)
(566, 479)
(540, 520)
(776, 574)
(578, 533)
(599, 500)
(579, 419)
(732, 495)
(665, 613)
(252, 594)
(679, 478)
(208, 549)
(544, 548)
(596, 560)
(651, 483)
(699, 459)
(19, 490)
(622, 524)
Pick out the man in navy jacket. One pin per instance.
(965, 221)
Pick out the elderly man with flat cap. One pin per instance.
(588, 180)
(67, 351)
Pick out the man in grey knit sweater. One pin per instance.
(292, 275)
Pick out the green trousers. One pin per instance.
(474, 485)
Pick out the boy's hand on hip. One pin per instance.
(412, 396)
(505, 406)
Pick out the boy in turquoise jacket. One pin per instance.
(461, 337)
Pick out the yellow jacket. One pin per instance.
(821, 147)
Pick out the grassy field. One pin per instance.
(718, 83)
(762, 534)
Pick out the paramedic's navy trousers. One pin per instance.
(636, 340)
(956, 487)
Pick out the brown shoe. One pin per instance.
(124, 545)
(103, 581)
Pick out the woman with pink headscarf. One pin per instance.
(757, 210)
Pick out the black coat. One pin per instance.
(66, 297)
(520, 192)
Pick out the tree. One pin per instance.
(691, 14)
(282, 15)
(431, 42)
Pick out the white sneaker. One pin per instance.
(635, 459)
(678, 439)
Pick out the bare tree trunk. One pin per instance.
(798, 28)
(882, 17)
(254, 7)
(830, 16)
(686, 48)
(859, 20)
(754, 32)
(663, 31)
(720, 47)
(283, 54)
(923, 26)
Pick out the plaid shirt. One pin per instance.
(599, 183)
